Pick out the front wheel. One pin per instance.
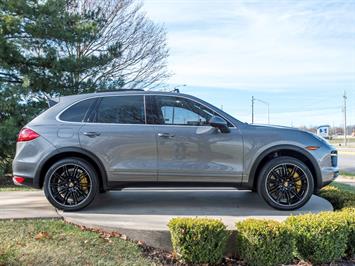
(71, 184)
(285, 183)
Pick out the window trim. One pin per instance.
(86, 115)
(138, 94)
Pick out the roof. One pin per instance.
(116, 92)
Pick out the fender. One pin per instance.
(252, 177)
(93, 157)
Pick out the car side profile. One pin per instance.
(91, 143)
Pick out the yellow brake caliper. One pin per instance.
(84, 182)
(298, 181)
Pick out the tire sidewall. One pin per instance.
(93, 177)
(261, 188)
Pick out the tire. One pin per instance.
(71, 184)
(288, 177)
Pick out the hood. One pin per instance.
(265, 126)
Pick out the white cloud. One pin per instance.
(255, 45)
(304, 49)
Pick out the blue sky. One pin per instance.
(297, 55)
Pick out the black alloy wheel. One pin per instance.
(285, 183)
(71, 184)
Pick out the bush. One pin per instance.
(264, 242)
(339, 198)
(320, 238)
(349, 215)
(198, 240)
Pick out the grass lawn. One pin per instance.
(347, 175)
(15, 188)
(343, 187)
(54, 242)
(350, 140)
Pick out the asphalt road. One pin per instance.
(347, 161)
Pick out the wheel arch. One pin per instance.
(77, 152)
(285, 150)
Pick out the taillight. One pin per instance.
(18, 179)
(27, 134)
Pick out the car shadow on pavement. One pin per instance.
(192, 203)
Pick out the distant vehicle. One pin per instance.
(91, 143)
(323, 131)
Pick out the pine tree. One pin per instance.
(63, 47)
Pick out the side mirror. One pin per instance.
(219, 123)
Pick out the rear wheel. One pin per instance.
(71, 184)
(285, 183)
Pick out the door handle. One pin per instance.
(165, 135)
(91, 134)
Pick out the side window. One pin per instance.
(78, 111)
(180, 111)
(121, 110)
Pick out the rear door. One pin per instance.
(118, 134)
(188, 148)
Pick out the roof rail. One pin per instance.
(119, 90)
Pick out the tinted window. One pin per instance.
(77, 112)
(121, 109)
(181, 111)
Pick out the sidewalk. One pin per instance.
(346, 181)
(25, 205)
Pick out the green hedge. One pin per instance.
(320, 238)
(338, 197)
(264, 242)
(349, 215)
(198, 240)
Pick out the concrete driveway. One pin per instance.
(25, 204)
(157, 206)
(152, 209)
(143, 214)
(129, 206)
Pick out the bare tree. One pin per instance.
(141, 60)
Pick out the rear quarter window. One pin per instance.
(78, 111)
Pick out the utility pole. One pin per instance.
(252, 109)
(344, 110)
(253, 99)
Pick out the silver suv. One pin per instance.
(86, 144)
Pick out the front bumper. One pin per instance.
(329, 174)
(329, 167)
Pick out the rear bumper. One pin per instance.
(29, 157)
(27, 181)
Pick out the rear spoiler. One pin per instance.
(51, 102)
